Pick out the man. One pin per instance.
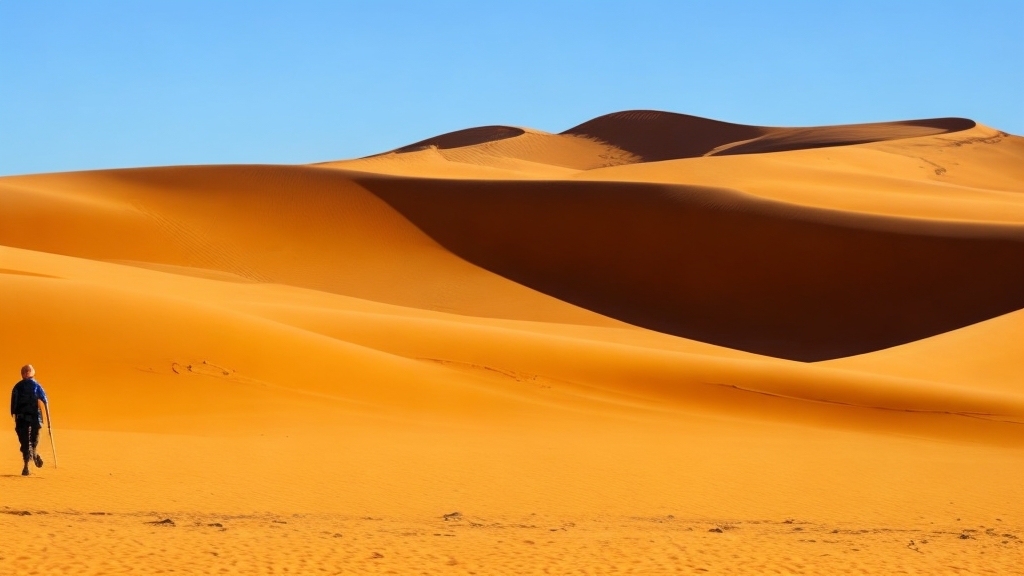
(28, 418)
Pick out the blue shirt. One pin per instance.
(21, 397)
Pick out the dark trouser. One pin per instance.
(28, 434)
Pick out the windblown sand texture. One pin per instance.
(651, 344)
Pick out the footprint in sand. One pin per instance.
(203, 368)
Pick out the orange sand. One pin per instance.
(651, 344)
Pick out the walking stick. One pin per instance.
(49, 432)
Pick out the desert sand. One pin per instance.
(651, 344)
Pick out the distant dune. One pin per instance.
(651, 327)
(653, 136)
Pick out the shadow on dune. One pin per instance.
(723, 267)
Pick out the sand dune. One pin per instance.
(653, 342)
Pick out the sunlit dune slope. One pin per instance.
(986, 355)
(291, 225)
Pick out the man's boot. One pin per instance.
(37, 459)
(24, 471)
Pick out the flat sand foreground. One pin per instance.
(651, 344)
(763, 500)
(90, 543)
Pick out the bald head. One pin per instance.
(27, 371)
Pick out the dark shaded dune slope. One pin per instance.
(653, 135)
(723, 267)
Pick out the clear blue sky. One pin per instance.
(103, 84)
